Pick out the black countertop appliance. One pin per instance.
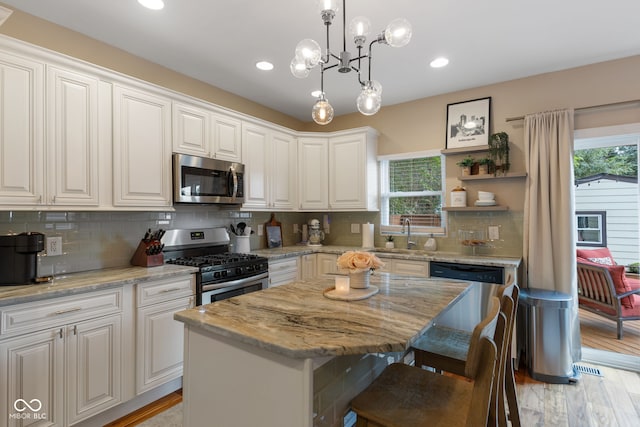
(18, 257)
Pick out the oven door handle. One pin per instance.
(234, 283)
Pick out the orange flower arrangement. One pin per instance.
(357, 262)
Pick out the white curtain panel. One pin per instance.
(549, 213)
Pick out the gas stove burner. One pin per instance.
(223, 259)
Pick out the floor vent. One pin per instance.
(588, 370)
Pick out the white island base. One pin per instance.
(231, 384)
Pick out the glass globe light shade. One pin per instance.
(327, 5)
(308, 51)
(322, 112)
(375, 86)
(398, 33)
(369, 102)
(360, 28)
(298, 69)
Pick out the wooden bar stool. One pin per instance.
(407, 396)
(446, 349)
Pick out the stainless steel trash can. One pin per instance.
(547, 318)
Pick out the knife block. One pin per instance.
(140, 257)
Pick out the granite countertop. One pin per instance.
(75, 283)
(409, 254)
(298, 321)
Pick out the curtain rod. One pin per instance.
(631, 101)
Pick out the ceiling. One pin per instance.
(219, 42)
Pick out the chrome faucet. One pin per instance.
(407, 222)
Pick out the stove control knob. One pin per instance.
(238, 270)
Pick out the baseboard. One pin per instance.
(117, 412)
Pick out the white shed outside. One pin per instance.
(619, 197)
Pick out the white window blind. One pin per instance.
(412, 188)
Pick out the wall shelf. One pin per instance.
(490, 176)
(476, 208)
(464, 150)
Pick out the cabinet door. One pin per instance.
(313, 173)
(227, 138)
(159, 343)
(347, 172)
(72, 138)
(307, 266)
(21, 131)
(256, 158)
(94, 366)
(32, 369)
(326, 264)
(141, 148)
(283, 175)
(190, 130)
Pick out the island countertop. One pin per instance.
(298, 321)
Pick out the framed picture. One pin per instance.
(468, 123)
(274, 236)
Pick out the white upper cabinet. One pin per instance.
(353, 171)
(270, 168)
(190, 129)
(72, 138)
(227, 137)
(200, 131)
(21, 131)
(339, 172)
(141, 148)
(313, 162)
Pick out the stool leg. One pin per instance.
(510, 388)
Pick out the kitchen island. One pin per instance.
(289, 356)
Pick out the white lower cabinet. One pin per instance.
(405, 267)
(159, 338)
(307, 266)
(283, 271)
(326, 264)
(70, 367)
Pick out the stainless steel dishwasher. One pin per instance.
(471, 272)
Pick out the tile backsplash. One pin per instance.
(103, 239)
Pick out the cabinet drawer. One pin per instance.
(38, 315)
(165, 290)
(283, 265)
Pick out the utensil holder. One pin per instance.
(142, 257)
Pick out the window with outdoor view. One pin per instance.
(592, 228)
(412, 188)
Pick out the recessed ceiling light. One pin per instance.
(439, 62)
(152, 4)
(316, 93)
(264, 66)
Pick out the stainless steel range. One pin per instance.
(222, 274)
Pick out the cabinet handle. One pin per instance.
(60, 333)
(69, 310)
(75, 329)
(164, 291)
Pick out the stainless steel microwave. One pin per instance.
(207, 181)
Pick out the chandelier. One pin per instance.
(309, 55)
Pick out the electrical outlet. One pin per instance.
(355, 228)
(494, 232)
(54, 246)
(296, 229)
(260, 229)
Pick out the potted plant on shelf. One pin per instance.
(499, 152)
(466, 165)
(485, 165)
(389, 244)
